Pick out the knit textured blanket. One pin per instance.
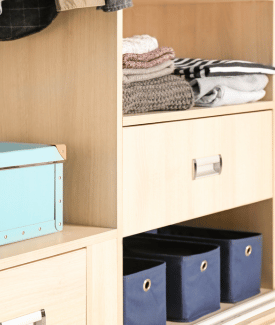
(148, 60)
(134, 75)
(160, 94)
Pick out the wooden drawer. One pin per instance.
(56, 284)
(158, 184)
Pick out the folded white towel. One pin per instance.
(253, 82)
(139, 44)
(222, 95)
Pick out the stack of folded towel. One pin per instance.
(154, 64)
(148, 83)
(223, 82)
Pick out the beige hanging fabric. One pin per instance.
(62, 5)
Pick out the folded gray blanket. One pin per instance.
(134, 75)
(160, 94)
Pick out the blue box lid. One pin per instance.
(14, 154)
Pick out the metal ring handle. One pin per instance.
(204, 266)
(248, 250)
(147, 285)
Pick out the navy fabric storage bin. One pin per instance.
(144, 292)
(192, 274)
(241, 258)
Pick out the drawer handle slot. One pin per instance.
(209, 166)
(37, 318)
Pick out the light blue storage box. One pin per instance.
(31, 190)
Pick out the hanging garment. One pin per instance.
(222, 95)
(247, 83)
(1, 6)
(160, 94)
(134, 75)
(110, 5)
(115, 5)
(139, 44)
(148, 60)
(62, 5)
(21, 18)
(198, 68)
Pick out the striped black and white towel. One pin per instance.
(198, 68)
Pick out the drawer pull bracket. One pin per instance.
(209, 166)
(37, 318)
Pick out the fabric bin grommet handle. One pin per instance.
(147, 285)
(204, 266)
(248, 250)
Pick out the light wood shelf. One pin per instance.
(231, 310)
(194, 113)
(71, 238)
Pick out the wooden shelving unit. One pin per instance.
(64, 85)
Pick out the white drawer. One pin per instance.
(57, 285)
(158, 168)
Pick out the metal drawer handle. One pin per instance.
(37, 318)
(208, 166)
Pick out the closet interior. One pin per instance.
(126, 175)
(158, 147)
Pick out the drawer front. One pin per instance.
(158, 168)
(57, 285)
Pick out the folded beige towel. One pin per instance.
(134, 75)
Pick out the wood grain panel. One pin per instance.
(102, 303)
(57, 284)
(158, 186)
(61, 86)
